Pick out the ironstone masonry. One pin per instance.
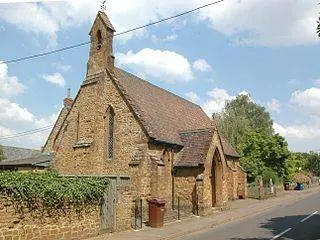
(121, 125)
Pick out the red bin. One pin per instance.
(156, 212)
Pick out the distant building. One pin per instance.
(24, 159)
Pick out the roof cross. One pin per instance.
(103, 6)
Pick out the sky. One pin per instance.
(267, 49)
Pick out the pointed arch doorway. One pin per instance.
(216, 179)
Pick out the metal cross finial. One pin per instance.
(103, 6)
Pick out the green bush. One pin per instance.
(270, 174)
(50, 190)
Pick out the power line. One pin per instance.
(29, 132)
(115, 35)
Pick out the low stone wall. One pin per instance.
(124, 209)
(264, 192)
(46, 225)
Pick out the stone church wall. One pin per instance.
(185, 188)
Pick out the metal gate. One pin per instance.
(138, 213)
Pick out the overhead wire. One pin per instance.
(29, 132)
(15, 60)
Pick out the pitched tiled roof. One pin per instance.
(196, 146)
(12, 153)
(228, 149)
(162, 113)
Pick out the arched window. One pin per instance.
(99, 39)
(110, 132)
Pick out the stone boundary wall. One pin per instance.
(124, 209)
(43, 225)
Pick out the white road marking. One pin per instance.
(289, 229)
(280, 234)
(309, 216)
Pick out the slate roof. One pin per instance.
(162, 113)
(12, 153)
(40, 160)
(25, 157)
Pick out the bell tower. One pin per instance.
(101, 49)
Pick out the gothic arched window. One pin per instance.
(99, 39)
(110, 132)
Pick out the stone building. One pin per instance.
(121, 125)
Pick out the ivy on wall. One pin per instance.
(51, 191)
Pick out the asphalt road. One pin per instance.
(300, 220)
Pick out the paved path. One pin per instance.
(241, 211)
(299, 220)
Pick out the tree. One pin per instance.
(2, 157)
(313, 163)
(263, 152)
(292, 166)
(242, 116)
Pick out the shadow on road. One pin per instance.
(309, 229)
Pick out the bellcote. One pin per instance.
(101, 49)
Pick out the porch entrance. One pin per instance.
(216, 179)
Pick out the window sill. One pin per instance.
(82, 144)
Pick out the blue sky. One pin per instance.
(268, 49)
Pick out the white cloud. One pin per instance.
(302, 131)
(9, 85)
(61, 67)
(10, 111)
(294, 82)
(32, 18)
(274, 105)
(5, 131)
(165, 65)
(23, 1)
(49, 17)
(193, 97)
(303, 137)
(218, 98)
(16, 119)
(308, 100)
(168, 38)
(316, 82)
(55, 78)
(272, 22)
(202, 65)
